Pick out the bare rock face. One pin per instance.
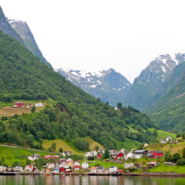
(151, 79)
(26, 35)
(7, 29)
(106, 84)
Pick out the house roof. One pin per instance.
(93, 168)
(112, 166)
(100, 167)
(160, 152)
(76, 166)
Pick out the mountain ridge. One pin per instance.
(106, 84)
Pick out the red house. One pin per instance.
(99, 156)
(48, 157)
(18, 104)
(54, 157)
(118, 155)
(62, 169)
(157, 154)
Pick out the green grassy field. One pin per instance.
(162, 134)
(11, 154)
(163, 168)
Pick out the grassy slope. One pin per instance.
(162, 134)
(93, 144)
(11, 154)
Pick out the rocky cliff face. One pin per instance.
(151, 79)
(25, 33)
(7, 29)
(106, 84)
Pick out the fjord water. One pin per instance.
(89, 180)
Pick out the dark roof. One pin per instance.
(159, 152)
(100, 167)
(150, 154)
(140, 151)
(112, 166)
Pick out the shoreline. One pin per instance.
(158, 174)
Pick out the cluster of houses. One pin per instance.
(166, 140)
(28, 168)
(21, 104)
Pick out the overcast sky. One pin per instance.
(89, 34)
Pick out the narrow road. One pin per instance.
(28, 148)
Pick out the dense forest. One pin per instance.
(76, 115)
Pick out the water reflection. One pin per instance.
(88, 180)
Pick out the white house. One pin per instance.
(69, 160)
(113, 169)
(112, 152)
(129, 166)
(75, 164)
(51, 166)
(94, 153)
(28, 168)
(88, 154)
(162, 141)
(2, 168)
(128, 155)
(32, 157)
(85, 165)
(153, 163)
(168, 139)
(39, 105)
(64, 165)
(100, 169)
(18, 169)
(123, 150)
(66, 153)
(93, 169)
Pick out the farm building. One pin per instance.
(140, 153)
(39, 105)
(153, 163)
(157, 154)
(18, 104)
(118, 155)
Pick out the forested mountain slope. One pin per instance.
(77, 114)
(25, 33)
(106, 84)
(7, 29)
(169, 112)
(149, 83)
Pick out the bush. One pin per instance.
(91, 158)
(180, 140)
(181, 162)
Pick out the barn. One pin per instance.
(157, 154)
(18, 104)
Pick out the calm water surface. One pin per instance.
(86, 180)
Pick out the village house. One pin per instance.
(88, 154)
(2, 168)
(129, 166)
(123, 151)
(18, 169)
(48, 170)
(18, 104)
(113, 169)
(62, 159)
(93, 169)
(85, 165)
(140, 153)
(100, 169)
(62, 169)
(112, 152)
(50, 165)
(68, 171)
(76, 167)
(64, 165)
(75, 163)
(157, 154)
(99, 156)
(118, 155)
(33, 157)
(28, 168)
(39, 105)
(167, 139)
(66, 153)
(47, 157)
(153, 163)
(128, 155)
(57, 169)
(69, 160)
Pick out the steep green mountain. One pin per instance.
(169, 112)
(106, 84)
(7, 29)
(170, 82)
(76, 115)
(25, 33)
(151, 80)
